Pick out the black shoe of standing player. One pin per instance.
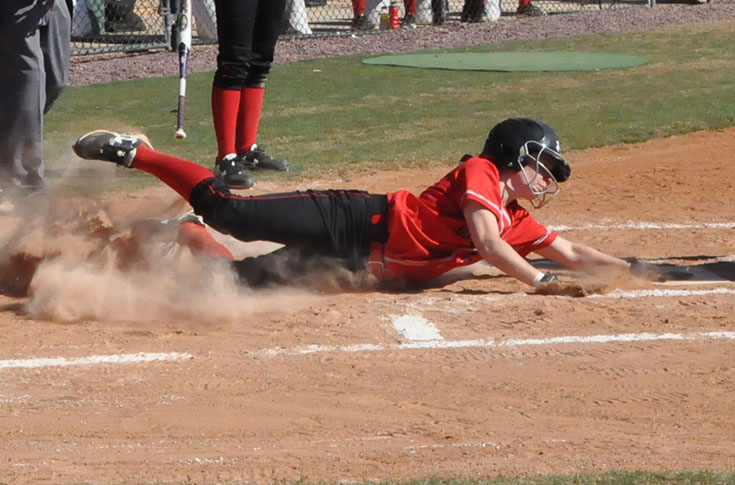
(257, 159)
(230, 169)
(408, 21)
(361, 22)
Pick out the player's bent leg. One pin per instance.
(179, 174)
(135, 151)
(195, 236)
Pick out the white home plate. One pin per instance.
(414, 327)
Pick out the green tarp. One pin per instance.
(512, 61)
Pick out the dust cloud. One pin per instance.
(113, 257)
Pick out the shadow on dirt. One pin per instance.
(689, 268)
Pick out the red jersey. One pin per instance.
(428, 235)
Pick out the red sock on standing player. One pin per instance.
(358, 7)
(225, 107)
(248, 118)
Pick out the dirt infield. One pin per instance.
(470, 378)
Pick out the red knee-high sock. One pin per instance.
(358, 6)
(248, 118)
(410, 6)
(523, 3)
(179, 174)
(225, 105)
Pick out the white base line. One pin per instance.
(664, 293)
(91, 360)
(482, 343)
(646, 226)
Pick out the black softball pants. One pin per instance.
(247, 32)
(327, 223)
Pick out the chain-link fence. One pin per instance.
(100, 26)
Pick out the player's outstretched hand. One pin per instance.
(559, 288)
(645, 271)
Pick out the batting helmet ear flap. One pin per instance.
(524, 158)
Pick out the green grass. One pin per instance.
(339, 115)
(609, 478)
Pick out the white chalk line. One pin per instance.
(664, 293)
(92, 360)
(647, 225)
(499, 344)
(437, 446)
(613, 295)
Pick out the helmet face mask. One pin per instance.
(544, 161)
(517, 143)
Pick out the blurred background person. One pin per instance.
(34, 70)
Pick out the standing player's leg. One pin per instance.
(235, 24)
(409, 17)
(269, 21)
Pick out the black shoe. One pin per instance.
(32, 181)
(109, 147)
(530, 10)
(408, 22)
(257, 159)
(230, 169)
(473, 19)
(361, 23)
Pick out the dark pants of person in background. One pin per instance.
(34, 69)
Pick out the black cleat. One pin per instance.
(230, 169)
(361, 22)
(109, 146)
(257, 159)
(408, 21)
(530, 10)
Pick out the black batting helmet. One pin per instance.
(516, 142)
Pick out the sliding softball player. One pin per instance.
(472, 213)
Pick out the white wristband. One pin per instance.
(538, 278)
